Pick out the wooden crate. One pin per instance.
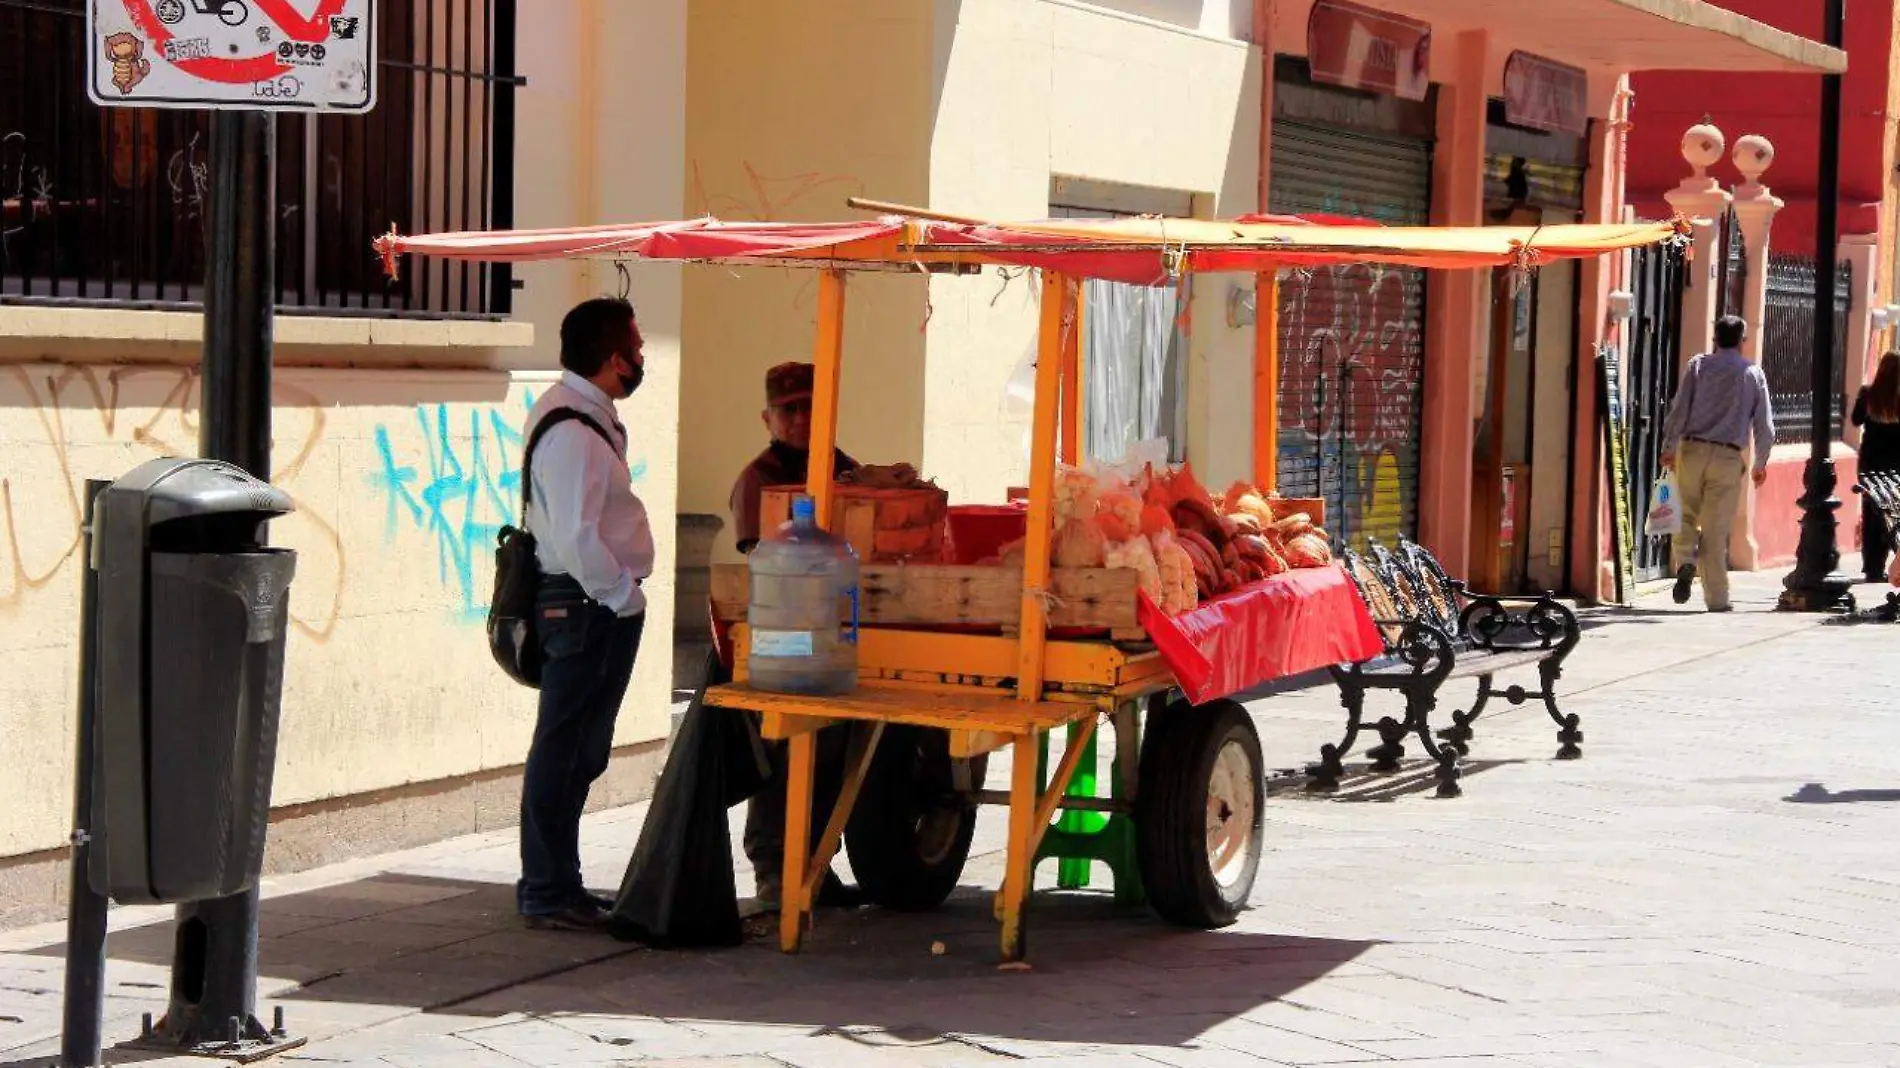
(925, 594)
(1312, 506)
(884, 526)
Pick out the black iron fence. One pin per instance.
(1787, 345)
(108, 205)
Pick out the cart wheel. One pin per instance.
(1198, 818)
(910, 834)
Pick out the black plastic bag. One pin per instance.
(678, 891)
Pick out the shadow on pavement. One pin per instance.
(1816, 794)
(1101, 973)
(1414, 777)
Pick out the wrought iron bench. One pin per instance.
(1436, 631)
(1883, 488)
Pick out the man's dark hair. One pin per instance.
(593, 332)
(1729, 331)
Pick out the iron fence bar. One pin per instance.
(446, 72)
(425, 223)
(501, 207)
(467, 148)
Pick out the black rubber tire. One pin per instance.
(1178, 758)
(909, 835)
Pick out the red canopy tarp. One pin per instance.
(1291, 623)
(1144, 251)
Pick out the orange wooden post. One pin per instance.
(794, 903)
(827, 357)
(1266, 381)
(801, 766)
(1042, 478)
(1072, 377)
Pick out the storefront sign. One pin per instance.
(1359, 48)
(1545, 95)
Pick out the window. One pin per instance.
(1134, 347)
(108, 205)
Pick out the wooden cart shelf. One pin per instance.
(950, 709)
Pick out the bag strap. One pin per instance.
(549, 422)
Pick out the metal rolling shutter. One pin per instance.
(1352, 351)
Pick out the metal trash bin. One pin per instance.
(193, 613)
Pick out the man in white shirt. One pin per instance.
(595, 548)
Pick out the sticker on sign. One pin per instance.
(247, 55)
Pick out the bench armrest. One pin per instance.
(1491, 623)
(1424, 648)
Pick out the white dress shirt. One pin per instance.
(586, 522)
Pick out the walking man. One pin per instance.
(595, 549)
(1723, 397)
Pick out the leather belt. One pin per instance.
(1721, 444)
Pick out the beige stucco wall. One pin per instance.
(401, 473)
(790, 109)
(1033, 88)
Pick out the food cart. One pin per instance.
(960, 660)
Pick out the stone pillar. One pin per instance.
(1456, 319)
(1864, 338)
(1702, 200)
(1755, 210)
(1863, 350)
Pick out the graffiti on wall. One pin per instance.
(97, 422)
(1351, 367)
(457, 489)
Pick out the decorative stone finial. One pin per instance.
(1754, 154)
(1702, 147)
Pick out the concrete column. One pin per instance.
(1755, 210)
(1864, 341)
(1456, 334)
(1703, 201)
(1863, 336)
(1592, 573)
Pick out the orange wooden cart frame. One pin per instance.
(1026, 685)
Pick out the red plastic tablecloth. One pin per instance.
(1293, 622)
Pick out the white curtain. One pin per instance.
(1130, 362)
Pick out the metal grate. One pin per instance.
(108, 205)
(1787, 345)
(1352, 355)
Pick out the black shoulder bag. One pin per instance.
(511, 631)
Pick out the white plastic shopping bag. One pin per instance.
(1665, 510)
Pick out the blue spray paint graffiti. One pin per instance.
(468, 492)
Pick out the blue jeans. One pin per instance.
(587, 660)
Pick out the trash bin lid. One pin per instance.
(182, 488)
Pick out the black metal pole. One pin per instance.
(1814, 585)
(501, 208)
(85, 992)
(214, 961)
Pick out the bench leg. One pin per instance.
(1570, 730)
(1418, 720)
(1391, 748)
(1458, 735)
(1324, 776)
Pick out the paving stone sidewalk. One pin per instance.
(1715, 884)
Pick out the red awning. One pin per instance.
(1143, 251)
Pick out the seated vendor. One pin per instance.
(788, 389)
(787, 418)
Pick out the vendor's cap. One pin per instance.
(788, 382)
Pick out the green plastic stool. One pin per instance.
(1080, 837)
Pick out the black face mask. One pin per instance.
(631, 382)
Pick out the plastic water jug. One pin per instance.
(803, 581)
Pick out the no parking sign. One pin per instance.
(251, 55)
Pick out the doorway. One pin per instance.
(1656, 277)
(1501, 470)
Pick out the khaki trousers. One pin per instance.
(1708, 482)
